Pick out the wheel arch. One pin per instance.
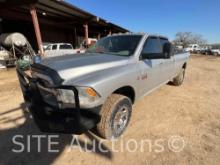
(126, 91)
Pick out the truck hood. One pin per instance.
(71, 66)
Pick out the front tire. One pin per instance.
(115, 116)
(178, 80)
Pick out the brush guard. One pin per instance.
(52, 119)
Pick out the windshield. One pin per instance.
(116, 45)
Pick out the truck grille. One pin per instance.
(48, 95)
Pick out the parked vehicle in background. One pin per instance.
(206, 50)
(45, 45)
(215, 52)
(192, 48)
(84, 46)
(5, 58)
(58, 49)
(72, 94)
(180, 47)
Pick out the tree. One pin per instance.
(186, 38)
(198, 39)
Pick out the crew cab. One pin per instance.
(72, 94)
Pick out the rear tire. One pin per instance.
(178, 80)
(115, 116)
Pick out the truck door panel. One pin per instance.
(150, 69)
(149, 75)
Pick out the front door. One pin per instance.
(167, 64)
(150, 69)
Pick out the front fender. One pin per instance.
(105, 82)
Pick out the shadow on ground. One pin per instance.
(26, 142)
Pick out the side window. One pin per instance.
(54, 47)
(152, 47)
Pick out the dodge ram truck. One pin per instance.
(73, 94)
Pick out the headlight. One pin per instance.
(66, 96)
(87, 96)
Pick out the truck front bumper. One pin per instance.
(53, 119)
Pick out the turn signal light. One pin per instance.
(91, 92)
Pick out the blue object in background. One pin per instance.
(37, 59)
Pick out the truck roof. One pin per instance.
(139, 33)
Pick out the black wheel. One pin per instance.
(178, 80)
(115, 116)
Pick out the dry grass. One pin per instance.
(191, 111)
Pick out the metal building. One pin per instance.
(52, 21)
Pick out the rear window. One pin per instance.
(65, 46)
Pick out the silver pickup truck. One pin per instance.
(75, 93)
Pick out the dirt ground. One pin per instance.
(189, 113)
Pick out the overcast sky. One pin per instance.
(165, 17)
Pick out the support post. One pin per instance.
(86, 30)
(75, 38)
(36, 28)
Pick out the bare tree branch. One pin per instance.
(186, 38)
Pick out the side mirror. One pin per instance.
(167, 50)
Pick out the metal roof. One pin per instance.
(59, 11)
